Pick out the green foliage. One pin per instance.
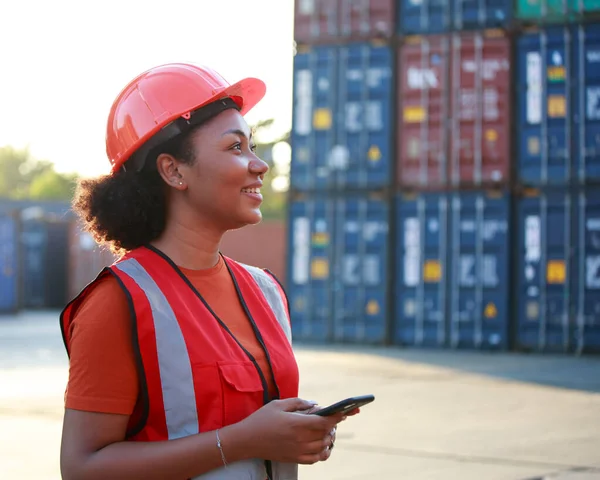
(23, 177)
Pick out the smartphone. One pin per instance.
(345, 406)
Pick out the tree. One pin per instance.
(274, 200)
(23, 177)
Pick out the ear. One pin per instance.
(168, 168)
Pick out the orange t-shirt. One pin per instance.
(102, 372)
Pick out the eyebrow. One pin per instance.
(239, 132)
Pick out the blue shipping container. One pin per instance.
(559, 106)
(9, 254)
(478, 270)
(558, 289)
(33, 247)
(422, 242)
(341, 133)
(422, 17)
(338, 269)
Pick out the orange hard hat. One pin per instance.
(164, 102)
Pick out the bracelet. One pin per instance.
(221, 448)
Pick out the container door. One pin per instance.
(423, 111)
(360, 292)
(361, 157)
(34, 243)
(545, 107)
(313, 123)
(421, 270)
(422, 17)
(544, 291)
(56, 267)
(478, 14)
(586, 59)
(9, 255)
(310, 268)
(315, 21)
(366, 19)
(586, 275)
(480, 106)
(479, 271)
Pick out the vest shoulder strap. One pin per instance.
(272, 293)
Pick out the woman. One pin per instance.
(180, 359)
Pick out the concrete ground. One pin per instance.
(437, 415)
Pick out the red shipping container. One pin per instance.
(327, 21)
(423, 112)
(480, 128)
(86, 259)
(455, 115)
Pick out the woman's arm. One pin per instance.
(93, 446)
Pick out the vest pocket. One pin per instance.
(242, 391)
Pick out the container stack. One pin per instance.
(445, 179)
(557, 284)
(341, 173)
(45, 257)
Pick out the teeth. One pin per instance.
(251, 190)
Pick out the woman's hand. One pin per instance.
(282, 431)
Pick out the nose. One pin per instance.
(257, 166)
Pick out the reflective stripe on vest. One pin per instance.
(176, 377)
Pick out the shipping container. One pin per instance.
(328, 21)
(558, 288)
(424, 112)
(555, 11)
(559, 106)
(43, 242)
(338, 269)
(86, 259)
(421, 269)
(426, 17)
(455, 116)
(9, 256)
(341, 132)
(478, 280)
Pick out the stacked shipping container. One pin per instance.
(490, 136)
(342, 159)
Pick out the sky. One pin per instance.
(62, 63)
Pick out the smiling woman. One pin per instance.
(181, 363)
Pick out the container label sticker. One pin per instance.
(557, 74)
(322, 119)
(592, 272)
(532, 310)
(491, 104)
(421, 78)
(490, 311)
(320, 239)
(534, 106)
(533, 239)
(533, 146)
(557, 106)
(371, 269)
(412, 253)
(556, 272)
(338, 158)
(534, 70)
(319, 269)
(374, 154)
(353, 117)
(372, 308)
(376, 76)
(490, 271)
(593, 103)
(413, 147)
(303, 107)
(301, 253)
(306, 7)
(432, 271)
(416, 114)
(350, 269)
(374, 116)
(466, 271)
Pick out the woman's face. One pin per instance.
(223, 184)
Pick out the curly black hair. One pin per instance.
(128, 209)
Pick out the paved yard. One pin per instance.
(437, 416)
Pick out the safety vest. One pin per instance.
(195, 376)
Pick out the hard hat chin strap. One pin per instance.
(175, 129)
